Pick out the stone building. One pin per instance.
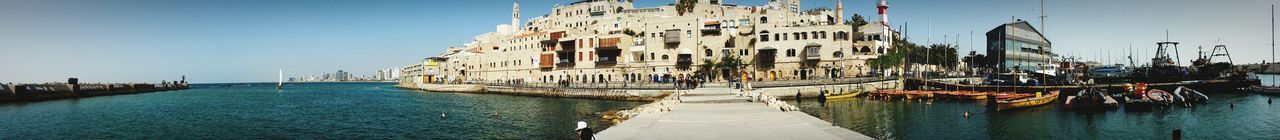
(610, 41)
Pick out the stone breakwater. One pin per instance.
(661, 105)
(51, 91)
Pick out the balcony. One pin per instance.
(547, 61)
(765, 57)
(684, 59)
(813, 52)
(601, 61)
(711, 28)
(567, 47)
(565, 63)
(671, 36)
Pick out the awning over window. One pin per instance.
(766, 49)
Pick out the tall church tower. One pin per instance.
(515, 17)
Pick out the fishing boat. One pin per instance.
(916, 94)
(963, 95)
(1028, 100)
(845, 95)
(1091, 98)
(903, 94)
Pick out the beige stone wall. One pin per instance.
(494, 57)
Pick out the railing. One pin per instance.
(640, 86)
(810, 82)
(606, 60)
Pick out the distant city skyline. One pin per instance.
(248, 40)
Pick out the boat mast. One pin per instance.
(1043, 38)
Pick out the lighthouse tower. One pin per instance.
(884, 7)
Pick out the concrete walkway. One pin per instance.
(717, 113)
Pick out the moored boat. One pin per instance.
(1091, 98)
(963, 95)
(845, 95)
(1190, 96)
(1029, 100)
(1265, 89)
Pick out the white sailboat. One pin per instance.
(280, 80)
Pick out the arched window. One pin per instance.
(708, 52)
(664, 57)
(866, 49)
(837, 54)
(764, 36)
(764, 20)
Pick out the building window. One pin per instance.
(764, 20)
(764, 36)
(791, 52)
(708, 52)
(664, 57)
(796, 36)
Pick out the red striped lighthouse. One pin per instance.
(884, 7)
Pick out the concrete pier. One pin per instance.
(718, 113)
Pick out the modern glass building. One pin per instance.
(1017, 46)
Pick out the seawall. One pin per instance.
(52, 91)
(589, 93)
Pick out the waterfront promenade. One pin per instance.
(718, 113)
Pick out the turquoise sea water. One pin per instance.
(1252, 118)
(305, 111)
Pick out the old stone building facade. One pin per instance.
(610, 41)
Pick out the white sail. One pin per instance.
(280, 79)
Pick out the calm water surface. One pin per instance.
(1251, 118)
(315, 111)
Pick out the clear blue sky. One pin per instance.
(214, 41)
